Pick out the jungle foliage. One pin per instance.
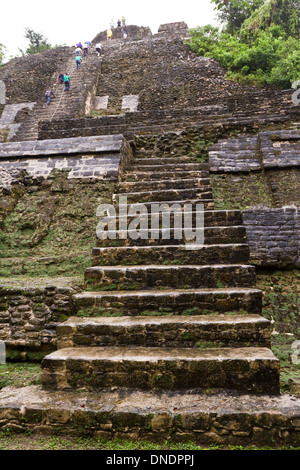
(258, 44)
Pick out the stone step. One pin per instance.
(167, 276)
(160, 175)
(170, 236)
(251, 370)
(169, 331)
(62, 102)
(166, 195)
(135, 186)
(205, 419)
(168, 163)
(166, 302)
(166, 216)
(155, 206)
(208, 254)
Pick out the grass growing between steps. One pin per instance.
(20, 374)
(275, 188)
(239, 192)
(11, 441)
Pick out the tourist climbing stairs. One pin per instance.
(160, 312)
(64, 104)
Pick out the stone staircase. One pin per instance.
(65, 104)
(167, 341)
(159, 315)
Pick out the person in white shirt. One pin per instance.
(98, 48)
(85, 49)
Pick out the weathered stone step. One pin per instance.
(167, 216)
(62, 104)
(171, 332)
(228, 419)
(178, 277)
(162, 174)
(252, 370)
(166, 302)
(168, 163)
(170, 236)
(135, 186)
(208, 254)
(166, 195)
(165, 164)
(155, 206)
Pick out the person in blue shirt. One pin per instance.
(78, 61)
(60, 78)
(67, 82)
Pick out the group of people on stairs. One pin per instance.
(64, 78)
(120, 24)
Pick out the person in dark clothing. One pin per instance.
(49, 93)
(60, 78)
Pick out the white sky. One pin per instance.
(67, 22)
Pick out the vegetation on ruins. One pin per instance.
(258, 44)
(233, 13)
(37, 42)
(2, 53)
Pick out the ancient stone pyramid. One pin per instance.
(170, 340)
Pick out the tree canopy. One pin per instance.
(283, 13)
(233, 13)
(37, 42)
(263, 49)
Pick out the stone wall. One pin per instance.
(261, 176)
(94, 157)
(29, 316)
(164, 73)
(273, 236)
(212, 119)
(267, 150)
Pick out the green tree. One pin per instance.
(37, 42)
(283, 13)
(233, 13)
(272, 58)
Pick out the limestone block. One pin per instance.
(9, 114)
(130, 103)
(101, 102)
(169, 27)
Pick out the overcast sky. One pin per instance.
(68, 22)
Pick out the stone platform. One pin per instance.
(92, 157)
(219, 418)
